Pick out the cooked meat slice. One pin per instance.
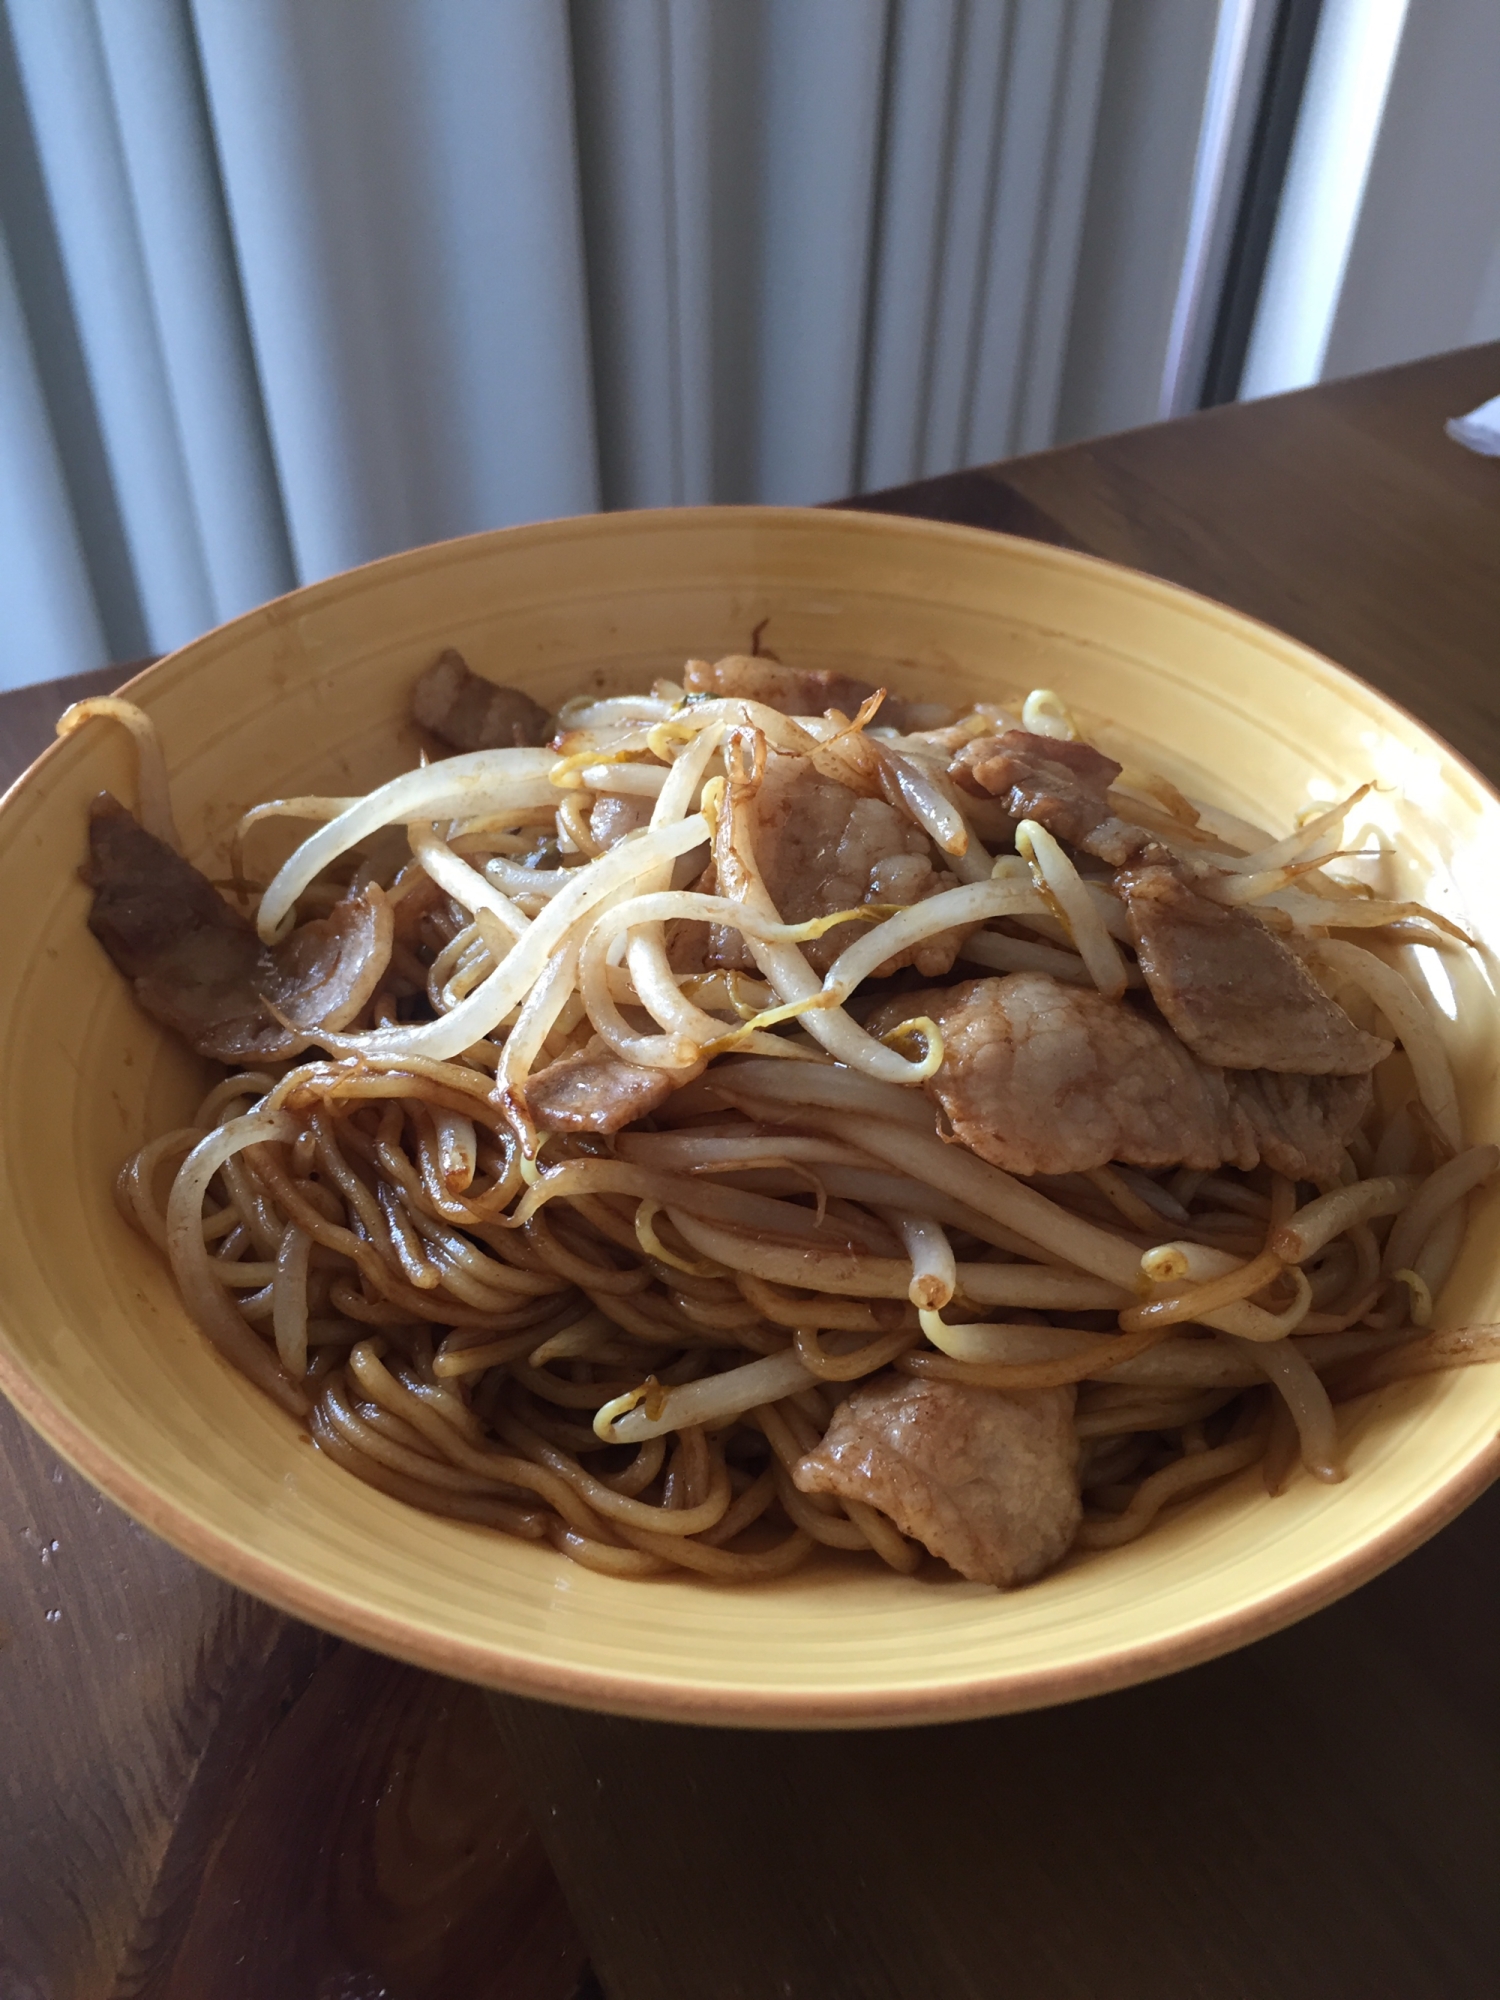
(323, 975)
(149, 902)
(689, 945)
(1063, 785)
(198, 966)
(1234, 993)
(688, 942)
(470, 713)
(795, 691)
(1301, 1124)
(1040, 1077)
(790, 689)
(599, 1093)
(615, 815)
(987, 1481)
(1232, 990)
(820, 847)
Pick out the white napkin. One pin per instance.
(1479, 430)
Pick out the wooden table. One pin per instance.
(202, 1800)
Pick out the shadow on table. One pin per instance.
(1317, 1815)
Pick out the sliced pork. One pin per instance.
(1039, 1077)
(819, 847)
(599, 1092)
(986, 1481)
(1300, 1125)
(197, 965)
(1231, 989)
(468, 712)
(802, 691)
(1061, 784)
(792, 690)
(615, 815)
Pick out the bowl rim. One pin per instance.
(645, 1697)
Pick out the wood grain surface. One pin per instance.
(1313, 1816)
(199, 1797)
(1342, 514)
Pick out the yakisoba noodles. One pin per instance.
(756, 1114)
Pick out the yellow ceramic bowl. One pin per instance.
(308, 695)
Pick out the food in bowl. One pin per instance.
(755, 1114)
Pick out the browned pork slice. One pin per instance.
(1232, 990)
(197, 964)
(1061, 784)
(1300, 1125)
(986, 1481)
(616, 814)
(1040, 1077)
(803, 691)
(470, 713)
(820, 847)
(599, 1092)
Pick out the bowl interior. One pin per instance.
(308, 695)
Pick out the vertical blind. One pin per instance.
(288, 284)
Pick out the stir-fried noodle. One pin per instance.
(708, 1128)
